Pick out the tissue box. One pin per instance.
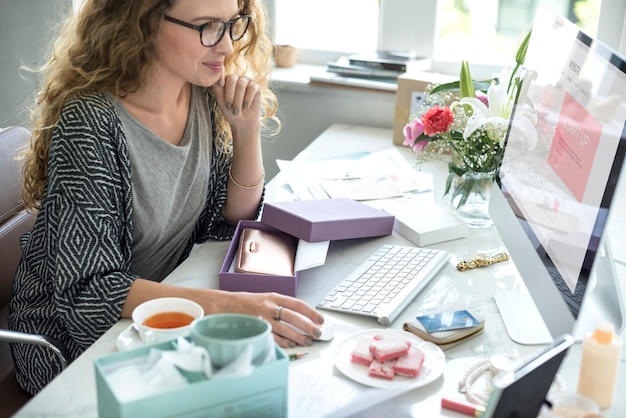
(312, 221)
(262, 393)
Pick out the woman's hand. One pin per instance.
(279, 310)
(239, 99)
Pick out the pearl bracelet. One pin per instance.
(246, 186)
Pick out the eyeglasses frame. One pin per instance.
(200, 28)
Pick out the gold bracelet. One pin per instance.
(482, 260)
(246, 186)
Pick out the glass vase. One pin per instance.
(468, 197)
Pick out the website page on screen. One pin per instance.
(563, 141)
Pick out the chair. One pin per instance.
(14, 221)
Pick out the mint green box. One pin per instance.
(260, 394)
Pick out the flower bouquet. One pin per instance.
(465, 123)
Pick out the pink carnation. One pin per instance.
(437, 120)
(412, 131)
(419, 146)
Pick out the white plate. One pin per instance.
(433, 367)
(129, 339)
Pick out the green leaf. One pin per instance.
(453, 86)
(456, 86)
(448, 184)
(456, 135)
(456, 170)
(520, 57)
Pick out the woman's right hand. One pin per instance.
(239, 99)
(280, 310)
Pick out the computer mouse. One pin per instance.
(328, 332)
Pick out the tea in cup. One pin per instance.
(226, 336)
(164, 319)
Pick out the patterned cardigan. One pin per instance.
(75, 274)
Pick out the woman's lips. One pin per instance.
(215, 66)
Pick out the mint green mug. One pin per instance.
(226, 336)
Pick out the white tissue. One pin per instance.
(241, 366)
(137, 381)
(190, 357)
(161, 370)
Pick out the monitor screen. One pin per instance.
(561, 168)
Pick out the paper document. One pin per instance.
(313, 395)
(378, 175)
(367, 188)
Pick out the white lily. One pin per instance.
(494, 118)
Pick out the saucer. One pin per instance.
(129, 339)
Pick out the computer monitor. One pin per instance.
(562, 167)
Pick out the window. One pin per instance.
(489, 31)
(332, 25)
(482, 31)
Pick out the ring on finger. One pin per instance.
(277, 313)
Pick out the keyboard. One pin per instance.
(384, 284)
(573, 300)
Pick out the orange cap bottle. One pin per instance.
(601, 350)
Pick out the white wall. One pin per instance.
(24, 34)
(306, 111)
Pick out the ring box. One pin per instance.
(315, 223)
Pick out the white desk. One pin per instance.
(73, 393)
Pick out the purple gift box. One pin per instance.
(308, 220)
(327, 219)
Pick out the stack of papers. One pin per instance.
(384, 180)
(379, 175)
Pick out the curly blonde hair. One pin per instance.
(108, 46)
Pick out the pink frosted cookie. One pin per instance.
(361, 353)
(410, 364)
(389, 347)
(384, 369)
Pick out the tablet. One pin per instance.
(521, 393)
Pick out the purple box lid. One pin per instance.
(327, 219)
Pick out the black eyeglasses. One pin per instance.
(211, 33)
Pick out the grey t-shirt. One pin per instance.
(169, 187)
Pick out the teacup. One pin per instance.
(226, 336)
(165, 319)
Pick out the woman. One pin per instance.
(146, 141)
